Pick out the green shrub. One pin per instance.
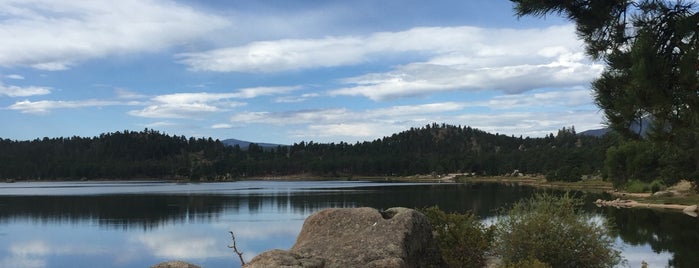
(657, 185)
(555, 231)
(636, 186)
(463, 240)
(528, 263)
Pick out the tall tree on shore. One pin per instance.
(651, 48)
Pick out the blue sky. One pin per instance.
(286, 71)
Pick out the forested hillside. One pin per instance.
(433, 149)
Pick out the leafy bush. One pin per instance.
(657, 185)
(555, 231)
(528, 263)
(636, 186)
(463, 240)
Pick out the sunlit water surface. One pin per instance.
(138, 224)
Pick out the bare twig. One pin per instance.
(235, 249)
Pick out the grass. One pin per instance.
(598, 185)
(591, 185)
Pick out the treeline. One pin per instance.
(433, 149)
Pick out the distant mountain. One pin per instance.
(595, 132)
(641, 128)
(245, 144)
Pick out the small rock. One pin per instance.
(662, 194)
(175, 264)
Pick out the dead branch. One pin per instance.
(235, 249)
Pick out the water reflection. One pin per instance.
(151, 211)
(664, 232)
(142, 224)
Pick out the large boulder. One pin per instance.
(359, 237)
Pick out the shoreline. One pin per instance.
(678, 203)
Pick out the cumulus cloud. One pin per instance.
(45, 106)
(423, 78)
(449, 58)
(54, 35)
(16, 91)
(274, 56)
(189, 105)
(186, 105)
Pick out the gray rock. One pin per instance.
(359, 237)
(174, 264)
(663, 194)
(284, 258)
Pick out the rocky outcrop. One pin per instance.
(174, 264)
(359, 237)
(692, 210)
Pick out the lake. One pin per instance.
(138, 224)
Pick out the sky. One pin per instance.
(282, 71)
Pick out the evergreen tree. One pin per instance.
(651, 48)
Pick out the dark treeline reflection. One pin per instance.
(663, 231)
(151, 210)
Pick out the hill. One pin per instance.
(433, 149)
(245, 144)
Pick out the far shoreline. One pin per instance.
(624, 199)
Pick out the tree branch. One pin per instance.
(235, 249)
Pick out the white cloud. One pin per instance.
(450, 58)
(15, 91)
(274, 56)
(249, 93)
(294, 117)
(54, 35)
(188, 105)
(341, 123)
(15, 76)
(535, 114)
(160, 124)
(570, 98)
(533, 124)
(221, 126)
(424, 78)
(33, 253)
(182, 245)
(292, 99)
(338, 116)
(45, 106)
(349, 130)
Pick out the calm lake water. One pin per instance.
(138, 224)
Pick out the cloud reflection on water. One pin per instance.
(34, 253)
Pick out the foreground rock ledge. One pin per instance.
(175, 264)
(359, 237)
